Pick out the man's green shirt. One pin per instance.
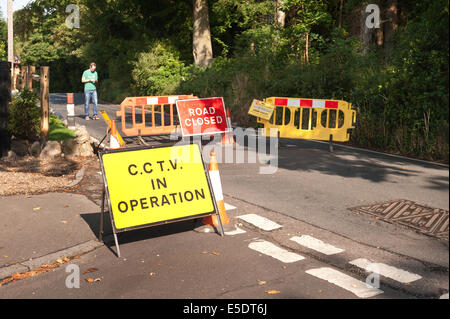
(88, 75)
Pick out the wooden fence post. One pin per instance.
(5, 98)
(31, 71)
(45, 100)
(23, 73)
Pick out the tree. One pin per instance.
(202, 48)
(3, 32)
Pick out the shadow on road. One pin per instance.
(303, 155)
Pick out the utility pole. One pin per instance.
(10, 36)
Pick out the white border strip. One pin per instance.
(237, 231)
(359, 288)
(397, 274)
(229, 206)
(316, 244)
(269, 249)
(260, 222)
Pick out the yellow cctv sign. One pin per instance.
(149, 186)
(261, 109)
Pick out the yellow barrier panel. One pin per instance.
(313, 119)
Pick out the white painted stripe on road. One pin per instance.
(237, 231)
(316, 244)
(260, 222)
(269, 249)
(397, 274)
(359, 288)
(229, 207)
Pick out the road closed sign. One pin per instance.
(149, 186)
(202, 116)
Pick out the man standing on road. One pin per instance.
(89, 79)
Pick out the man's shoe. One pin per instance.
(95, 117)
(87, 118)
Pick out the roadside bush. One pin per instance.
(25, 116)
(158, 71)
(25, 119)
(58, 130)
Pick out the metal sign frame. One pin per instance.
(105, 196)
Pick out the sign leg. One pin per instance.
(100, 237)
(220, 225)
(117, 245)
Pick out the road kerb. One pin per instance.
(36, 263)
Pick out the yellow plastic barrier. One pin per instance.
(314, 119)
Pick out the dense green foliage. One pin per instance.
(58, 130)
(25, 116)
(398, 82)
(25, 119)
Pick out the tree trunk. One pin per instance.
(307, 48)
(202, 48)
(391, 23)
(365, 33)
(341, 5)
(5, 98)
(280, 15)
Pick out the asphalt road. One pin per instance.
(310, 190)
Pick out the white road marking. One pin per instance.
(397, 274)
(316, 244)
(359, 288)
(237, 231)
(269, 249)
(229, 207)
(260, 222)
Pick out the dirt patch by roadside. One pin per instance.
(30, 175)
(91, 185)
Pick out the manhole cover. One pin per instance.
(429, 221)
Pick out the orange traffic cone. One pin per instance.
(217, 189)
(113, 137)
(227, 138)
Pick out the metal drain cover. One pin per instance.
(429, 221)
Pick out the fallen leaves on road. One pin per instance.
(43, 269)
(262, 282)
(90, 270)
(36, 209)
(90, 280)
(272, 292)
(216, 253)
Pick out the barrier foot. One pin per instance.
(331, 143)
(140, 139)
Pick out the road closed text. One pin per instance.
(203, 116)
